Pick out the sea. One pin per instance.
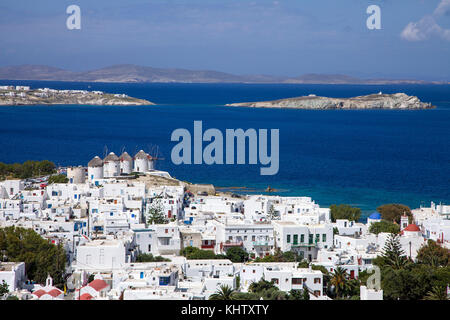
(364, 158)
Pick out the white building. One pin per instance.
(13, 273)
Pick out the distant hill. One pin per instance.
(129, 73)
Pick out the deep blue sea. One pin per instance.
(363, 158)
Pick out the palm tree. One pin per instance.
(224, 292)
(339, 280)
(437, 293)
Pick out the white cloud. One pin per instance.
(427, 26)
(443, 8)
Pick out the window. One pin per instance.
(254, 271)
(295, 238)
(324, 237)
(302, 238)
(296, 280)
(310, 239)
(275, 280)
(316, 280)
(317, 238)
(317, 293)
(149, 247)
(288, 238)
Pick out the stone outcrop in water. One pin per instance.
(399, 101)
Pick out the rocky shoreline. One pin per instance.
(21, 96)
(398, 101)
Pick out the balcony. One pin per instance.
(302, 244)
(262, 243)
(207, 246)
(233, 244)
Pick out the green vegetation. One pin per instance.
(144, 257)
(344, 211)
(194, 253)
(279, 256)
(156, 214)
(262, 289)
(393, 212)
(59, 178)
(41, 257)
(223, 293)
(393, 254)
(237, 254)
(434, 255)
(384, 226)
(4, 289)
(269, 291)
(234, 254)
(402, 279)
(28, 169)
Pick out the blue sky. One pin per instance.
(277, 37)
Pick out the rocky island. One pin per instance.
(398, 101)
(23, 95)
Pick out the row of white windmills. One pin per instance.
(113, 166)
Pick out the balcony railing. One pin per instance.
(233, 244)
(262, 243)
(303, 244)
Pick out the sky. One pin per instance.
(274, 37)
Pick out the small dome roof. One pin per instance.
(125, 157)
(375, 216)
(111, 157)
(141, 155)
(412, 228)
(95, 162)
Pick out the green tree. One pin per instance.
(437, 293)
(394, 211)
(384, 226)
(144, 257)
(224, 292)
(237, 254)
(41, 257)
(344, 211)
(194, 253)
(303, 264)
(60, 178)
(261, 285)
(393, 254)
(156, 213)
(433, 254)
(4, 289)
(27, 169)
(339, 279)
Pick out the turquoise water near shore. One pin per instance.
(361, 157)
